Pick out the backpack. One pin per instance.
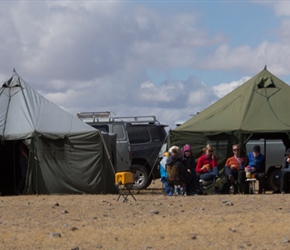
(172, 173)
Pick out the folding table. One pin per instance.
(252, 184)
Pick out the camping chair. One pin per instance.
(213, 186)
(207, 187)
(124, 183)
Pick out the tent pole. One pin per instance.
(154, 165)
(265, 155)
(107, 152)
(14, 168)
(35, 163)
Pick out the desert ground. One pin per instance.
(154, 221)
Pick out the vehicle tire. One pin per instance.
(273, 179)
(141, 177)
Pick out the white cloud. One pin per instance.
(166, 93)
(281, 8)
(93, 56)
(284, 31)
(224, 88)
(276, 56)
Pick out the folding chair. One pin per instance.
(124, 183)
(207, 187)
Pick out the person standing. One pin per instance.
(173, 164)
(233, 165)
(285, 173)
(187, 172)
(164, 174)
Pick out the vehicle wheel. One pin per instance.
(141, 177)
(273, 179)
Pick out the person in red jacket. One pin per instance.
(206, 166)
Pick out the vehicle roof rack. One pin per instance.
(95, 116)
(137, 119)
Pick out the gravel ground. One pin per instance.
(154, 221)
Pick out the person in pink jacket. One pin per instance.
(206, 167)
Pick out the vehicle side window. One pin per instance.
(138, 135)
(119, 130)
(156, 134)
(104, 128)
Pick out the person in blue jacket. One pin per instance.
(164, 174)
(255, 165)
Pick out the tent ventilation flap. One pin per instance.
(266, 82)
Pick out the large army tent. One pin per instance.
(259, 108)
(65, 154)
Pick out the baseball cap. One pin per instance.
(257, 148)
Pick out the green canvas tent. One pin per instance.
(65, 154)
(256, 109)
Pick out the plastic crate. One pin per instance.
(123, 178)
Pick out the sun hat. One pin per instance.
(173, 149)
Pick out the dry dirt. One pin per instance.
(154, 221)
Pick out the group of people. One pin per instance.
(177, 168)
(180, 165)
(237, 169)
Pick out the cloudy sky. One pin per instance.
(170, 59)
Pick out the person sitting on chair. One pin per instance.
(206, 166)
(233, 165)
(285, 173)
(207, 170)
(256, 166)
